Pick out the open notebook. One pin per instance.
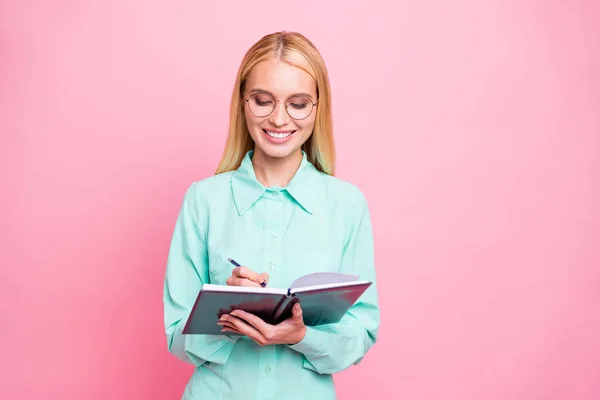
(324, 296)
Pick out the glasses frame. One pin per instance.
(313, 105)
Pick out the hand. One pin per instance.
(244, 276)
(290, 331)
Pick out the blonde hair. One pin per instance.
(294, 49)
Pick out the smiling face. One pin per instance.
(292, 91)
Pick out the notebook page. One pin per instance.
(322, 278)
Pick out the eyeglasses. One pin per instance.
(298, 106)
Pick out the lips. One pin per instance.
(278, 137)
(278, 134)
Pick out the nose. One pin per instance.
(279, 116)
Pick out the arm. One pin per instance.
(186, 273)
(332, 348)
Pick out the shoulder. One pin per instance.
(203, 188)
(203, 192)
(344, 193)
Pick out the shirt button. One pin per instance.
(273, 237)
(271, 266)
(267, 370)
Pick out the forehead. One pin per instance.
(280, 78)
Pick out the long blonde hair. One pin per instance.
(294, 49)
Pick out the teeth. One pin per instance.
(278, 135)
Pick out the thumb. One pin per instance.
(297, 310)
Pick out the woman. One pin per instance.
(275, 207)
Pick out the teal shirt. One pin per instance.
(317, 223)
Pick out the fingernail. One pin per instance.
(263, 284)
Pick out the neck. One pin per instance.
(272, 171)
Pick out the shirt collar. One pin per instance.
(305, 186)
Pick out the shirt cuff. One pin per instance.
(312, 344)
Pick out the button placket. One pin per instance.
(270, 258)
(273, 224)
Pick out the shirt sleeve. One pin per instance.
(334, 347)
(186, 273)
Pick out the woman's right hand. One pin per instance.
(244, 276)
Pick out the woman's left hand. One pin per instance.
(290, 331)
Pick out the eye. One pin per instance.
(262, 100)
(299, 102)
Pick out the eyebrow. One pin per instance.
(267, 92)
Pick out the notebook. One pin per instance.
(324, 296)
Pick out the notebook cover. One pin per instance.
(327, 306)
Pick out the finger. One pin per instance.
(231, 327)
(256, 322)
(297, 310)
(263, 278)
(230, 330)
(234, 281)
(226, 324)
(297, 318)
(244, 272)
(240, 333)
(246, 329)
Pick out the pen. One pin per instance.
(231, 260)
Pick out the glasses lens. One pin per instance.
(299, 107)
(261, 104)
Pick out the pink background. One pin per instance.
(473, 129)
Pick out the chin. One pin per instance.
(276, 151)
